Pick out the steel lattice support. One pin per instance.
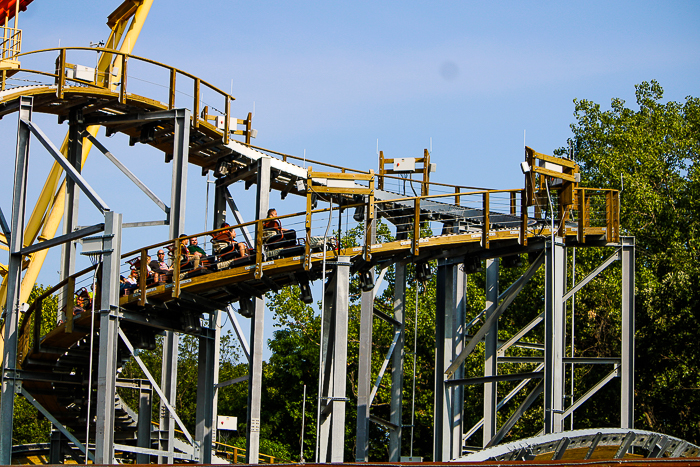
(554, 336)
(206, 389)
(257, 328)
(490, 351)
(70, 211)
(364, 377)
(334, 343)
(178, 192)
(627, 387)
(449, 343)
(14, 279)
(397, 363)
(109, 329)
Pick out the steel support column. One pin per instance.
(217, 356)
(334, 364)
(257, 325)
(490, 351)
(397, 363)
(554, 336)
(220, 193)
(144, 424)
(205, 390)
(628, 294)
(70, 211)
(178, 191)
(364, 376)
(449, 341)
(14, 280)
(109, 329)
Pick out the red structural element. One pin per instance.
(8, 8)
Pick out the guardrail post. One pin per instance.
(60, 73)
(582, 216)
(171, 90)
(195, 105)
(227, 121)
(416, 226)
(177, 258)
(523, 217)
(370, 225)
(487, 222)
(38, 309)
(307, 246)
(122, 86)
(69, 300)
(143, 276)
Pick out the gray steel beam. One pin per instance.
(611, 259)
(4, 226)
(239, 332)
(178, 191)
(628, 294)
(397, 362)
(143, 438)
(554, 335)
(257, 324)
(72, 198)
(125, 170)
(510, 423)
(508, 298)
(61, 429)
(332, 442)
(239, 218)
(219, 206)
(365, 366)
(594, 389)
(14, 280)
(502, 402)
(519, 335)
(68, 167)
(217, 348)
(109, 328)
(205, 391)
(168, 407)
(70, 237)
(449, 340)
(490, 352)
(179, 175)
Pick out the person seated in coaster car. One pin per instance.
(274, 233)
(83, 300)
(130, 284)
(187, 260)
(160, 268)
(196, 251)
(225, 245)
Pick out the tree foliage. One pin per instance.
(652, 153)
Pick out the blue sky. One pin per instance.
(332, 78)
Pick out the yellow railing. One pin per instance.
(116, 78)
(11, 45)
(237, 455)
(593, 211)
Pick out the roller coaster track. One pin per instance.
(470, 224)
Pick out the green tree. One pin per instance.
(652, 153)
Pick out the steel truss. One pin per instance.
(551, 369)
(110, 315)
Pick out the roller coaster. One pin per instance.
(102, 323)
